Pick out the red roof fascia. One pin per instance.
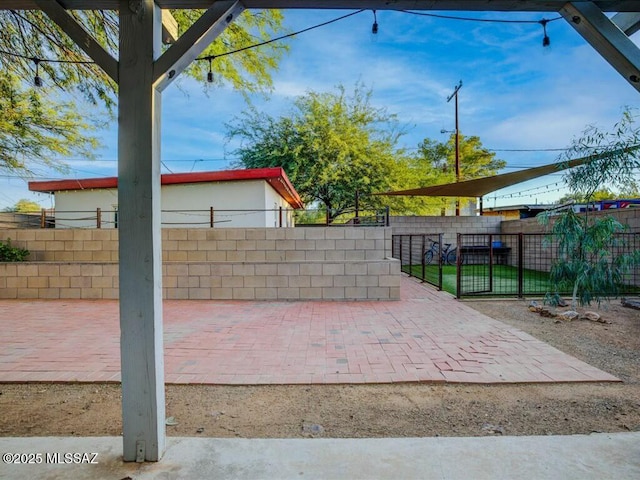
(275, 176)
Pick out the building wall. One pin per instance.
(330, 263)
(77, 209)
(235, 204)
(505, 214)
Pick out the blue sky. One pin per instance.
(516, 95)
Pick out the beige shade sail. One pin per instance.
(479, 187)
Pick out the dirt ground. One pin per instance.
(398, 410)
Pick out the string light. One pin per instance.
(37, 81)
(210, 74)
(473, 19)
(374, 27)
(374, 31)
(532, 191)
(545, 40)
(277, 39)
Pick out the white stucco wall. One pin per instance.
(251, 203)
(77, 208)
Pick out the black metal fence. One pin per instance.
(421, 256)
(495, 264)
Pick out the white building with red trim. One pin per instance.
(262, 197)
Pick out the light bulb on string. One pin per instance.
(546, 41)
(374, 28)
(210, 74)
(37, 81)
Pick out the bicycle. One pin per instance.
(449, 255)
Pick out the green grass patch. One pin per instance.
(475, 278)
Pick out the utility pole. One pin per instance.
(455, 95)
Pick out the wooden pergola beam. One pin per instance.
(606, 38)
(191, 44)
(453, 5)
(628, 22)
(80, 36)
(170, 31)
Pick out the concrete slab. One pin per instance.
(428, 336)
(579, 457)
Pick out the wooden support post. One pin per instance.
(98, 217)
(211, 216)
(43, 218)
(143, 399)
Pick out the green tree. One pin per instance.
(434, 162)
(37, 127)
(587, 262)
(34, 131)
(24, 206)
(30, 33)
(598, 195)
(330, 145)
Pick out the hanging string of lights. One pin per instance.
(37, 80)
(546, 41)
(210, 58)
(550, 187)
(374, 30)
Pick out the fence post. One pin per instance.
(520, 265)
(490, 262)
(440, 265)
(422, 259)
(386, 214)
(459, 266)
(43, 218)
(400, 252)
(210, 217)
(411, 255)
(98, 217)
(280, 216)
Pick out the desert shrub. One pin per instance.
(9, 253)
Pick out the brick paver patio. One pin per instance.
(428, 336)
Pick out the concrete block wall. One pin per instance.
(214, 245)
(351, 280)
(626, 216)
(332, 263)
(448, 226)
(541, 257)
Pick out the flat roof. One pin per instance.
(274, 176)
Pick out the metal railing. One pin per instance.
(509, 265)
(421, 256)
(187, 218)
(519, 264)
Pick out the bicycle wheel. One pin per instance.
(428, 257)
(452, 257)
